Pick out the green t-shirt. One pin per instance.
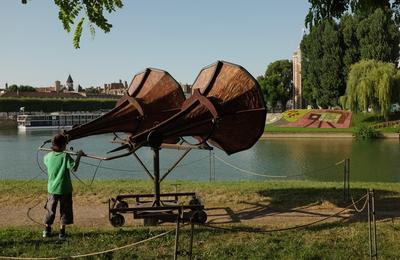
(58, 170)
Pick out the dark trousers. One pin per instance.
(66, 214)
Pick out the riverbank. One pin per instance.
(252, 206)
(8, 124)
(267, 135)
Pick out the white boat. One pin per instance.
(57, 120)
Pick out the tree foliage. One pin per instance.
(93, 90)
(334, 9)
(21, 88)
(322, 66)
(276, 84)
(372, 84)
(378, 37)
(330, 48)
(73, 12)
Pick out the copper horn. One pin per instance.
(226, 108)
(152, 97)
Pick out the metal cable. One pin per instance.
(247, 230)
(127, 170)
(94, 253)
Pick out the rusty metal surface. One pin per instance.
(227, 109)
(238, 99)
(152, 97)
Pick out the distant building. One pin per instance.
(297, 88)
(70, 83)
(115, 88)
(187, 89)
(4, 90)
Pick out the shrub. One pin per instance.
(366, 132)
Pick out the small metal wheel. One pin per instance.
(199, 216)
(122, 205)
(117, 220)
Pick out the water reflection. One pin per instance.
(314, 158)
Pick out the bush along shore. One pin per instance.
(247, 220)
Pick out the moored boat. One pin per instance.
(56, 120)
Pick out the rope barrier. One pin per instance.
(249, 172)
(355, 206)
(94, 253)
(275, 176)
(288, 228)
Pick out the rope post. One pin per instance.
(374, 223)
(346, 180)
(190, 253)
(176, 248)
(373, 247)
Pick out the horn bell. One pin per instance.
(152, 96)
(227, 109)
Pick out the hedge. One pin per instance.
(54, 105)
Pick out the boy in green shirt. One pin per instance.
(59, 186)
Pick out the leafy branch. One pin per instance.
(73, 12)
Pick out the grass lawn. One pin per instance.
(347, 239)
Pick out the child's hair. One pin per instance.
(58, 143)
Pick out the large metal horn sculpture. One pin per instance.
(226, 108)
(152, 97)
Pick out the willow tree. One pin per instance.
(372, 84)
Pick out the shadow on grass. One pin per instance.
(302, 203)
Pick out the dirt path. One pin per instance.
(95, 214)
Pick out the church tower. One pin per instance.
(70, 83)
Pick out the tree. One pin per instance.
(276, 84)
(73, 12)
(21, 88)
(379, 37)
(322, 65)
(372, 84)
(334, 9)
(373, 37)
(92, 90)
(351, 53)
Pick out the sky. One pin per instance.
(179, 36)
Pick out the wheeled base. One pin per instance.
(168, 208)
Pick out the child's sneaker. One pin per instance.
(62, 235)
(47, 232)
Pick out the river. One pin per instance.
(278, 158)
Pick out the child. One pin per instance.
(59, 186)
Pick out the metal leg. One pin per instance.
(156, 163)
